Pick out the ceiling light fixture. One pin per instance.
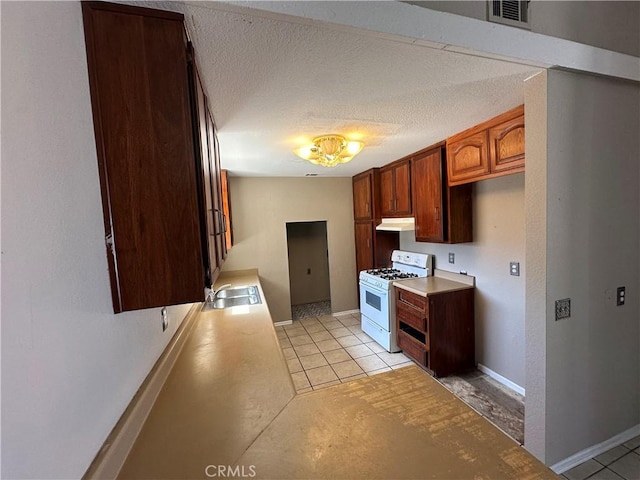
(329, 150)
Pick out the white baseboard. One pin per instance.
(116, 448)
(283, 322)
(503, 380)
(346, 312)
(595, 450)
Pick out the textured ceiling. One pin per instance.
(273, 83)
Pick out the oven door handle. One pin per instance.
(373, 289)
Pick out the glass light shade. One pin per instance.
(329, 150)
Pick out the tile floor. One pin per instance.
(619, 463)
(298, 312)
(327, 350)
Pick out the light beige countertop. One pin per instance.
(432, 285)
(228, 409)
(228, 384)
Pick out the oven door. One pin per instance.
(374, 304)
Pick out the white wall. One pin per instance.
(261, 209)
(69, 365)
(498, 238)
(593, 234)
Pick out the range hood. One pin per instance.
(397, 224)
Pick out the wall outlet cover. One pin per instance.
(563, 308)
(620, 294)
(514, 268)
(165, 318)
(452, 257)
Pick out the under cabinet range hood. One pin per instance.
(397, 224)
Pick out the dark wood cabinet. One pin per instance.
(437, 331)
(155, 184)
(363, 195)
(208, 176)
(490, 149)
(395, 189)
(364, 232)
(373, 248)
(442, 213)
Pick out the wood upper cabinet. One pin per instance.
(506, 146)
(469, 157)
(363, 194)
(395, 189)
(442, 213)
(141, 110)
(491, 149)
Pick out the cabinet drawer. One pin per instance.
(412, 316)
(411, 299)
(412, 348)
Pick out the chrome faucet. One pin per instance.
(214, 293)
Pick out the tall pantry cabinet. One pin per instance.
(158, 168)
(373, 248)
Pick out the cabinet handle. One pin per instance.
(395, 204)
(368, 243)
(437, 213)
(366, 207)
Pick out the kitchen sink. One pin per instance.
(238, 292)
(236, 301)
(234, 297)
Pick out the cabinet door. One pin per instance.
(216, 193)
(140, 97)
(402, 186)
(467, 158)
(428, 191)
(203, 163)
(364, 245)
(506, 146)
(387, 194)
(226, 208)
(362, 196)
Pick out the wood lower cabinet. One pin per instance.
(490, 149)
(442, 213)
(437, 331)
(395, 189)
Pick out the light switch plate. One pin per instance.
(563, 308)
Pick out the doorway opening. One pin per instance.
(309, 282)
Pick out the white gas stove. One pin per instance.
(377, 299)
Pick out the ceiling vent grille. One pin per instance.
(509, 12)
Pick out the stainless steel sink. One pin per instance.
(236, 301)
(234, 297)
(238, 292)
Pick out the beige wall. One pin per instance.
(261, 209)
(308, 262)
(498, 238)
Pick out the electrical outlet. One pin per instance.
(308, 271)
(452, 257)
(514, 268)
(563, 308)
(165, 318)
(620, 293)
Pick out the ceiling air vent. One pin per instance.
(509, 12)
